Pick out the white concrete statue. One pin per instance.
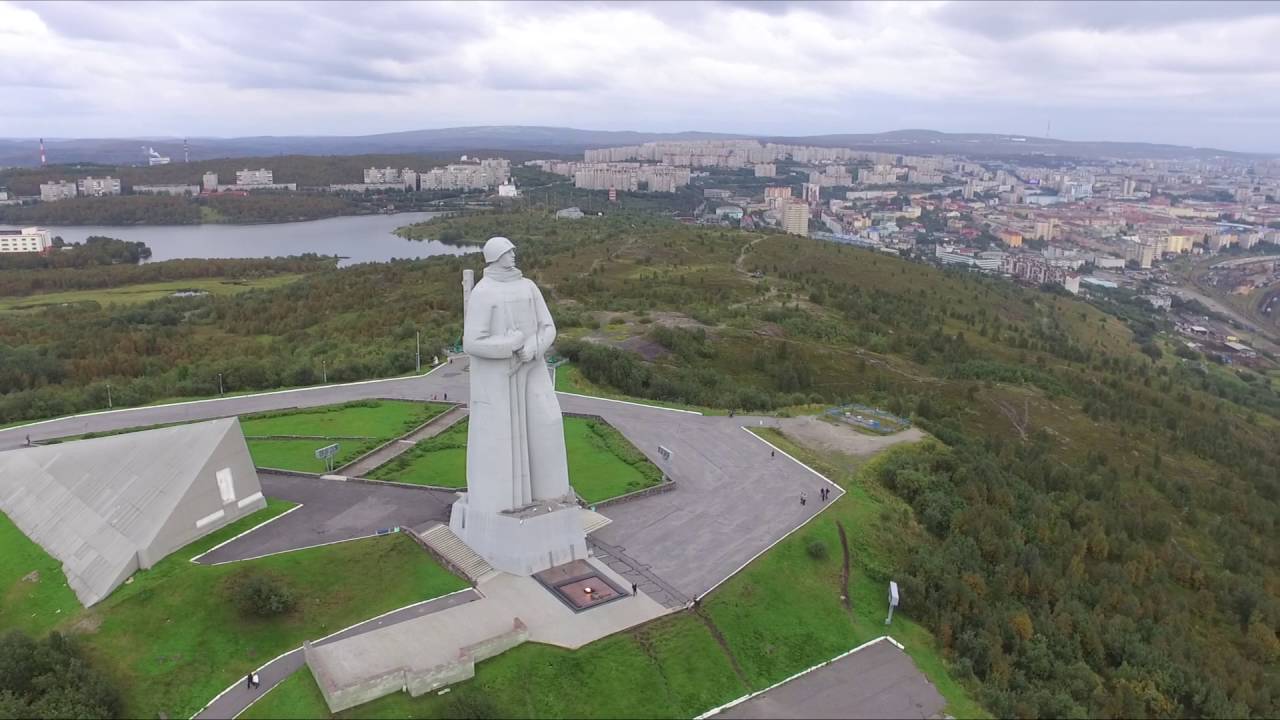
(515, 442)
(518, 512)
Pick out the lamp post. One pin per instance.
(418, 355)
(324, 371)
(109, 405)
(219, 384)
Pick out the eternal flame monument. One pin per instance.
(519, 512)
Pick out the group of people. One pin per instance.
(823, 492)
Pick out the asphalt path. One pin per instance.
(879, 681)
(332, 511)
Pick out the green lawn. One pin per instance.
(779, 616)
(300, 455)
(602, 463)
(381, 419)
(172, 639)
(145, 292)
(34, 606)
(375, 421)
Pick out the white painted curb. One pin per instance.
(299, 549)
(236, 684)
(246, 532)
(628, 402)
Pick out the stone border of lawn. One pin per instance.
(394, 483)
(667, 485)
(444, 562)
(398, 438)
(346, 478)
(307, 437)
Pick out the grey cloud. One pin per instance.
(1009, 20)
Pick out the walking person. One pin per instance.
(804, 497)
(248, 681)
(257, 682)
(633, 588)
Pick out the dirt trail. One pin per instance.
(724, 645)
(835, 437)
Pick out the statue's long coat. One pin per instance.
(515, 439)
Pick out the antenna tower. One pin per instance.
(42, 160)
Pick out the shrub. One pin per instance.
(816, 549)
(260, 594)
(51, 678)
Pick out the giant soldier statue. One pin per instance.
(519, 512)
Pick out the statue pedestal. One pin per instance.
(524, 541)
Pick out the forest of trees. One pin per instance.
(1101, 517)
(112, 210)
(95, 250)
(27, 282)
(51, 678)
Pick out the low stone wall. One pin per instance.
(425, 681)
(411, 486)
(416, 681)
(437, 556)
(295, 473)
(308, 437)
(667, 485)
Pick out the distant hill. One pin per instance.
(558, 140)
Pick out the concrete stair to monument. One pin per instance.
(444, 543)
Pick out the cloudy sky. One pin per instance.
(1187, 73)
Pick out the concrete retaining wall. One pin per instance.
(424, 681)
(418, 681)
(667, 485)
(344, 698)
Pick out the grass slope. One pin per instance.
(172, 638)
(782, 614)
(34, 606)
(602, 463)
